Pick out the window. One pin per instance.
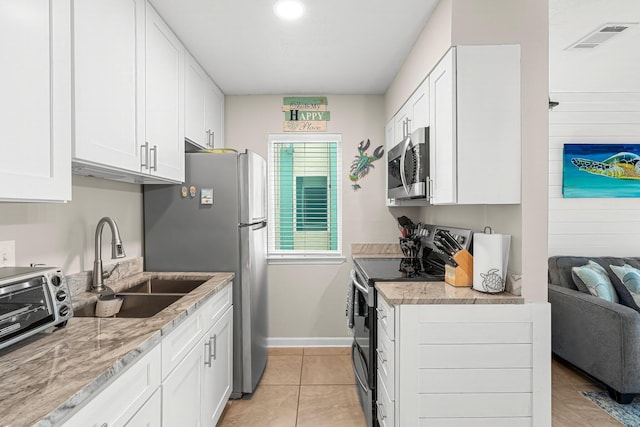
(304, 197)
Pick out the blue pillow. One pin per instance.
(631, 281)
(596, 279)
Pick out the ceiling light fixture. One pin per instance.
(288, 9)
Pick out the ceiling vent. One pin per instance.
(602, 34)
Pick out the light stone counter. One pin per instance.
(397, 293)
(47, 376)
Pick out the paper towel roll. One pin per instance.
(490, 259)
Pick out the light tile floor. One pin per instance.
(301, 388)
(316, 387)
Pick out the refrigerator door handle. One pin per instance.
(257, 225)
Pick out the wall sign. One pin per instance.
(305, 113)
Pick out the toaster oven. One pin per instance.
(31, 299)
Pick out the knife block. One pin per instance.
(462, 275)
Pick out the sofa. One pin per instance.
(599, 337)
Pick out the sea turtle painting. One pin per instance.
(623, 165)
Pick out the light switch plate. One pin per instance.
(8, 253)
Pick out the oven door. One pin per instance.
(363, 346)
(24, 307)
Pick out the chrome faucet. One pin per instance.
(117, 251)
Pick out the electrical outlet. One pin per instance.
(8, 253)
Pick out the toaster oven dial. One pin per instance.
(61, 295)
(64, 310)
(56, 280)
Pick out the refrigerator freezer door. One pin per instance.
(253, 188)
(254, 295)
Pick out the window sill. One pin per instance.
(307, 260)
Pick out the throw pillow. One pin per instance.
(624, 292)
(631, 281)
(596, 280)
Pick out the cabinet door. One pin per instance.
(164, 86)
(419, 106)
(217, 380)
(150, 415)
(402, 123)
(194, 102)
(108, 57)
(181, 391)
(35, 155)
(214, 115)
(442, 131)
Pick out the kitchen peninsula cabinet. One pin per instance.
(203, 109)
(35, 155)
(463, 364)
(474, 128)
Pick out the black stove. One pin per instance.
(400, 269)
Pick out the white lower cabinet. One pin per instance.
(185, 380)
(461, 365)
(119, 403)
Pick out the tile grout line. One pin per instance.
(299, 388)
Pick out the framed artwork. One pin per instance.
(601, 170)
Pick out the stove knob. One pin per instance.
(56, 280)
(61, 295)
(64, 311)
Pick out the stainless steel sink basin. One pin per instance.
(135, 305)
(165, 286)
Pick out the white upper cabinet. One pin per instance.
(204, 107)
(163, 153)
(109, 82)
(35, 154)
(475, 126)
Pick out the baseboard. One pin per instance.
(309, 342)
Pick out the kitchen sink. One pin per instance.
(165, 286)
(134, 305)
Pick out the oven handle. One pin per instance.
(357, 284)
(355, 371)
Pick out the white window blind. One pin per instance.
(304, 196)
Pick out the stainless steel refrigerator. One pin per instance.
(217, 221)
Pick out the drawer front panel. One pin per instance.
(475, 313)
(180, 341)
(386, 317)
(385, 406)
(217, 305)
(385, 354)
(477, 422)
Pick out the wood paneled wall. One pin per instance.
(598, 226)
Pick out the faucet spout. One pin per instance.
(117, 251)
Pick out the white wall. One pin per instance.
(62, 234)
(473, 22)
(584, 226)
(309, 300)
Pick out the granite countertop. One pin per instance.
(397, 293)
(48, 375)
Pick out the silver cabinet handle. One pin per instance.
(430, 189)
(155, 158)
(213, 139)
(207, 354)
(208, 132)
(381, 313)
(380, 355)
(144, 153)
(214, 340)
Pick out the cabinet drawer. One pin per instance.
(385, 314)
(121, 399)
(181, 340)
(385, 406)
(216, 306)
(385, 354)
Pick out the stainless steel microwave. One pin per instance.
(408, 167)
(31, 300)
